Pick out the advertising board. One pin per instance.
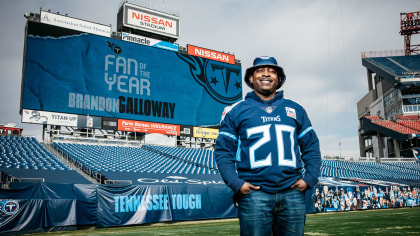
(89, 122)
(48, 118)
(91, 75)
(211, 54)
(148, 127)
(109, 123)
(145, 19)
(149, 41)
(412, 100)
(200, 132)
(186, 131)
(75, 24)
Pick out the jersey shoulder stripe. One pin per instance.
(228, 135)
(305, 132)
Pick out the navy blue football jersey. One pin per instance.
(267, 143)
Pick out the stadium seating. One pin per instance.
(24, 159)
(408, 62)
(197, 156)
(27, 153)
(408, 117)
(161, 159)
(413, 124)
(148, 159)
(370, 170)
(402, 124)
(396, 127)
(387, 65)
(397, 65)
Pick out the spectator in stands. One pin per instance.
(382, 203)
(358, 195)
(267, 173)
(318, 206)
(381, 193)
(374, 192)
(386, 193)
(327, 202)
(349, 194)
(404, 197)
(365, 205)
(416, 198)
(392, 197)
(378, 203)
(331, 193)
(398, 202)
(343, 195)
(335, 203)
(397, 192)
(367, 201)
(388, 203)
(342, 206)
(325, 190)
(322, 198)
(365, 194)
(355, 205)
(337, 193)
(409, 192)
(348, 204)
(370, 192)
(374, 202)
(415, 193)
(316, 196)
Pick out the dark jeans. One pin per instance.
(262, 213)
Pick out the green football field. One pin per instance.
(403, 221)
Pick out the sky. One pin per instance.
(318, 43)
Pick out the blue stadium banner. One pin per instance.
(165, 178)
(29, 207)
(80, 73)
(36, 207)
(139, 204)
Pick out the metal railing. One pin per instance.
(28, 180)
(383, 53)
(120, 182)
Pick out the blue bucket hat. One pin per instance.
(261, 62)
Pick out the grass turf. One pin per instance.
(402, 221)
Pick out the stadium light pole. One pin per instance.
(410, 25)
(339, 146)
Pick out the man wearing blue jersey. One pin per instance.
(268, 154)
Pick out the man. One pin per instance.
(262, 142)
(318, 206)
(335, 203)
(316, 196)
(355, 206)
(358, 195)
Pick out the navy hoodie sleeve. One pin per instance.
(310, 152)
(225, 152)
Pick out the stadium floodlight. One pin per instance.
(410, 24)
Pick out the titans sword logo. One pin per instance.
(220, 80)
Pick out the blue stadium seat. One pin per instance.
(27, 153)
(370, 170)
